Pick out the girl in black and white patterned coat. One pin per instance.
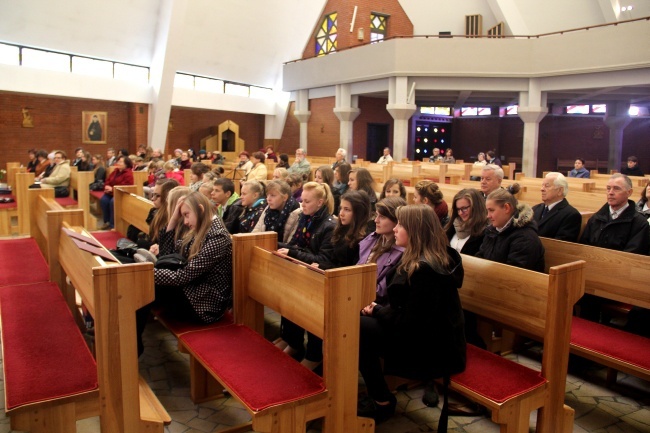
(202, 290)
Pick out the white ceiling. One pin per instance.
(248, 40)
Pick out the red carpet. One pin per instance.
(258, 372)
(612, 342)
(495, 377)
(45, 355)
(22, 262)
(108, 238)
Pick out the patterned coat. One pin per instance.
(207, 279)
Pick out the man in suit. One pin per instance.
(555, 217)
(491, 178)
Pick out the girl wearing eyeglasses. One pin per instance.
(468, 221)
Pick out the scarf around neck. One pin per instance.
(275, 219)
(462, 231)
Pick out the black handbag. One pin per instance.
(172, 262)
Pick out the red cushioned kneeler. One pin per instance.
(621, 345)
(97, 194)
(22, 262)
(66, 201)
(495, 377)
(45, 356)
(252, 368)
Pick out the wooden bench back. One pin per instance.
(46, 219)
(518, 298)
(326, 303)
(130, 208)
(12, 169)
(139, 178)
(610, 274)
(80, 182)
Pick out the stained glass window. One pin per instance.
(326, 35)
(377, 27)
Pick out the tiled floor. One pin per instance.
(625, 409)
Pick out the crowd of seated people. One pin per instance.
(414, 246)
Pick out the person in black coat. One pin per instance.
(512, 236)
(617, 225)
(632, 168)
(310, 243)
(420, 333)
(555, 217)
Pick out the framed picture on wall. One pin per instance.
(94, 127)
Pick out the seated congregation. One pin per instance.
(426, 319)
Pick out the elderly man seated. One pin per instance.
(555, 217)
(301, 165)
(491, 178)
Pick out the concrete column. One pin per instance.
(303, 114)
(616, 119)
(167, 51)
(532, 109)
(346, 110)
(400, 107)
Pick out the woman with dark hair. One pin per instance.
(427, 192)
(642, 205)
(449, 157)
(33, 162)
(258, 170)
(284, 161)
(468, 221)
(393, 188)
(342, 176)
(361, 180)
(420, 332)
(379, 247)
(198, 170)
(122, 175)
(512, 236)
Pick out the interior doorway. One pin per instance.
(377, 140)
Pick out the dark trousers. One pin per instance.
(372, 341)
(294, 335)
(107, 204)
(170, 299)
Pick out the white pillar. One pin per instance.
(401, 109)
(346, 109)
(303, 114)
(616, 119)
(163, 68)
(532, 109)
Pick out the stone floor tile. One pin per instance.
(202, 425)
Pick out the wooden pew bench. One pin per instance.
(535, 305)
(280, 394)
(112, 293)
(44, 391)
(618, 276)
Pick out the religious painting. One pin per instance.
(94, 127)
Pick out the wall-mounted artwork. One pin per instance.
(28, 121)
(94, 127)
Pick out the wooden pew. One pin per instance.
(80, 184)
(575, 184)
(615, 275)
(112, 293)
(12, 169)
(326, 303)
(533, 304)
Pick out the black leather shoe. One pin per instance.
(370, 409)
(430, 397)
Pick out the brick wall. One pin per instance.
(398, 23)
(57, 125)
(191, 125)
